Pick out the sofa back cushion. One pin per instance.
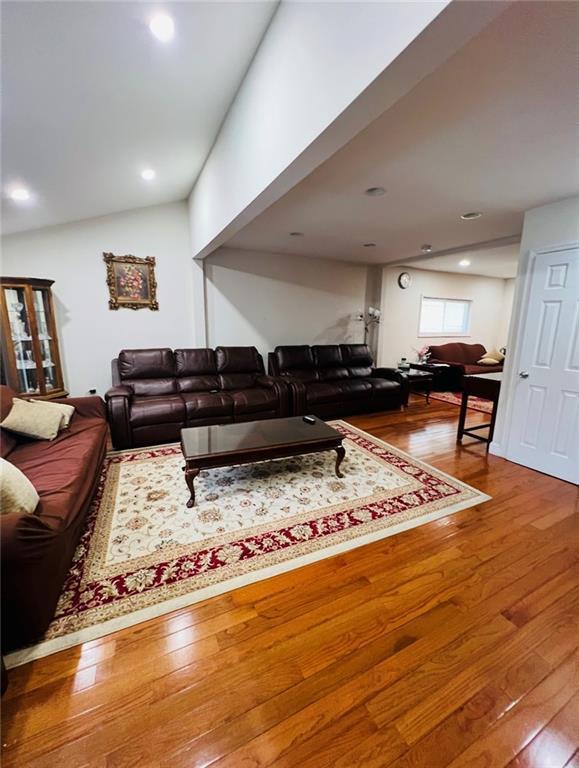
(196, 370)
(329, 362)
(8, 441)
(296, 361)
(358, 359)
(238, 367)
(456, 352)
(148, 371)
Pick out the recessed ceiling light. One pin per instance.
(464, 263)
(19, 194)
(163, 27)
(296, 234)
(470, 215)
(375, 191)
(148, 174)
(426, 248)
(369, 245)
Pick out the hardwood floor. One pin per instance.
(451, 645)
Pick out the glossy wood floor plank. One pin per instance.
(452, 644)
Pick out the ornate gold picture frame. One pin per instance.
(131, 282)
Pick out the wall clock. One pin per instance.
(404, 280)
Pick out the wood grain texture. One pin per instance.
(453, 644)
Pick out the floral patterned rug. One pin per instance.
(454, 398)
(144, 553)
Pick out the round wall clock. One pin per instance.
(404, 280)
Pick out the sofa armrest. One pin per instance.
(118, 407)
(92, 407)
(296, 390)
(280, 387)
(393, 374)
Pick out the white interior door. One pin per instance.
(544, 431)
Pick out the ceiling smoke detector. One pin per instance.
(470, 215)
(426, 248)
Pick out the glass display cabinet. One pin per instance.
(30, 356)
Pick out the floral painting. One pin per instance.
(131, 282)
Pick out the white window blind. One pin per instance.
(444, 317)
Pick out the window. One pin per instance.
(444, 317)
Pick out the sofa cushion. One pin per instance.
(37, 421)
(146, 363)
(203, 405)
(7, 440)
(196, 370)
(355, 389)
(157, 410)
(238, 360)
(473, 370)
(62, 471)
(328, 359)
(358, 359)
(152, 387)
(17, 494)
(323, 392)
(254, 400)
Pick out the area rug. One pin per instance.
(144, 553)
(452, 398)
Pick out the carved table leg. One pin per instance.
(340, 453)
(190, 475)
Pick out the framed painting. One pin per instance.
(131, 282)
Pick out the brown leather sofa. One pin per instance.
(37, 549)
(462, 361)
(157, 392)
(333, 380)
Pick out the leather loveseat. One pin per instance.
(462, 360)
(37, 548)
(333, 380)
(157, 392)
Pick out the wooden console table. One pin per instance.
(487, 386)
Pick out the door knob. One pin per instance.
(523, 374)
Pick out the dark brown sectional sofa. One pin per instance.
(37, 549)
(157, 392)
(332, 380)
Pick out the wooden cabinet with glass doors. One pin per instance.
(30, 357)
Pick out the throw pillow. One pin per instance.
(65, 410)
(487, 361)
(496, 355)
(33, 420)
(17, 494)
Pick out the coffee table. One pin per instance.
(242, 443)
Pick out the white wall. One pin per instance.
(90, 333)
(266, 299)
(401, 310)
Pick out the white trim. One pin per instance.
(48, 647)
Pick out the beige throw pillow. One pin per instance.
(33, 420)
(487, 361)
(17, 494)
(496, 355)
(65, 410)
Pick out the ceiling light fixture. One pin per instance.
(148, 174)
(426, 248)
(369, 245)
(464, 263)
(163, 27)
(375, 191)
(20, 195)
(470, 215)
(296, 234)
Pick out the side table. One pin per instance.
(487, 386)
(418, 381)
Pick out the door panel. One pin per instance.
(544, 430)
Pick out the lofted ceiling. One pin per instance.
(500, 261)
(495, 129)
(91, 98)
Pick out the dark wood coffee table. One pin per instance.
(227, 444)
